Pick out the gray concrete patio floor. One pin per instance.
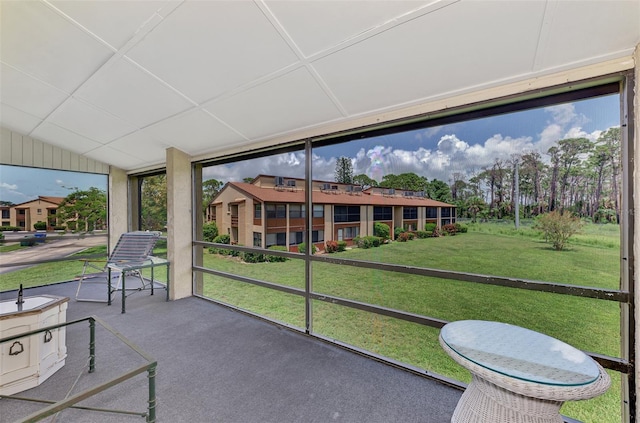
(220, 365)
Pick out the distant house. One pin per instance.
(270, 210)
(24, 215)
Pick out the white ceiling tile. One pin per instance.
(142, 145)
(194, 132)
(274, 106)
(17, 120)
(123, 160)
(40, 42)
(615, 28)
(86, 120)
(112, 21)
(307, 22)
(64, 138)
(212, 47)
(431, 55)
(131, 94)
(28, 94)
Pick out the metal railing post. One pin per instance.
(92, 345)
(151, 415)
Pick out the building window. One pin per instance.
(382, 213)
(317, 236)
(5, 214)
(346, 214)
(296, 211)
(39, 211)
(21, 212)
(257, 239)
(276, 211)
(279, 238)
(257, 213)
(410, 213)
(348, 233)
(318, 210)
(432, 212)
(296, 238)
(446, 212)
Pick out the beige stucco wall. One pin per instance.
(179, 223)
(118, 210)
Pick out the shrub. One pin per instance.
(403, 237)
(381, 230)
(460, 228)
(253, 257)
(449, 229)
(342, 246)
(210, 232)
(9, 228)
(397, 231)
(367, 241)
(221, 239)
(430, 227)
(40, 226)
(59, 228)
(331, 246)
(302, 248)
(275, 259)
(423, 234)
(558, 227)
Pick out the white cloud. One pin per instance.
(10, 187)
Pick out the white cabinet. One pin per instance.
(27, 362)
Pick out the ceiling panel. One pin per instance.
(112, 156)
(307, 22)
(142, 145)
(390, 69)
(25, 93)
(207, 48)
(194, 131)
(115, 22)
(40, 42)
(90, 122)
(64, 138)
(128, 92)
(17, 120)
(272, 106)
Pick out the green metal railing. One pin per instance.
(56, 406)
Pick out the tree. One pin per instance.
(153, 203)
(407, 181)
(570, 151)
(439, 190)
(211, 188)
(88, 209)
(344, 171)
(364, 181)
(558, 227)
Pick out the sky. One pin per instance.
(20, 184)
(439, 152)
(435, 153)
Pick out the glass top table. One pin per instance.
(518, 374)
(520, 353)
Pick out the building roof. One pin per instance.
(53, 200)
(271, 195)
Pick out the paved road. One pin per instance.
(51, 249)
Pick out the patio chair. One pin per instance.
(132, 249)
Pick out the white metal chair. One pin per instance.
(133, 248)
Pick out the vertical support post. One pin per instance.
(151, 414)
(309, 238)
(92, 345)
(152, 266)
(108, 286)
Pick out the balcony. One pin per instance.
(228, 366)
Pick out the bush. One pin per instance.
(302, 248)
(381, 230)
(210, 232)
(367, 241)
(397, 231)
(40, 226)
(221, 239)
(276, 259)
(331, 246)
(449, 229)
(558, 227)
(9, 228)
(342, 246)
(460, 228)
(403, 237)
(431, 228)
(59, 228)
(424, 234)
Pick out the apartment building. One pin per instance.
(24, 215)
(270, 210)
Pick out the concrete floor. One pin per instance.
(219, 365)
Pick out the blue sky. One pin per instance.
(439, 152)
(20, 184)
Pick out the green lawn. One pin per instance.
(588, 324)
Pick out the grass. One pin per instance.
(592, 325)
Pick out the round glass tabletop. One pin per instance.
(520, 353)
